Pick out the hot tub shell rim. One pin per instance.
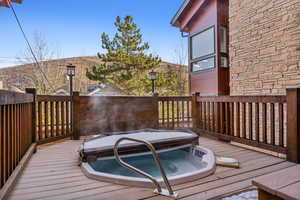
(209, 158)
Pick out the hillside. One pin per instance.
(25, 76)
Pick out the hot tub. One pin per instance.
(182, 159)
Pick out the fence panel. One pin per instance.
(16, 133)
(175, 112)
(53, 117)
(252, 120)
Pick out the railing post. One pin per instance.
(33, 92)
(293, 125)
(75, 113)
(195, 110)
(155, 109)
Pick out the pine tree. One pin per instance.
(125, 63)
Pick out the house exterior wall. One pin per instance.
(204, 82)
(264, 47)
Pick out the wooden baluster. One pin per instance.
(163, 112)
(173, 114)
(62, 110)
(264, 123)
(40, 129)
(177, 113)
(243, 126)
(227, 118)
(213, 115)
(281, 129)
(52, 118)
(168, 113)
(256, 115)
(9, 152)
(204, 116)
(222, 119)
(272, 123)
(12, 135)
(19, 131)
(57, 121)
(5, 143)
(250, 110)
(218, 118)
(188, 113)
(232, 119)
(200, 115)
(15, 136)
(46, 119)
(68, 117)
(208, 117)
(183, 116)
(237, 119)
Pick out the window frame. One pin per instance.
(222, 54)
(214, 54)
(207, 69)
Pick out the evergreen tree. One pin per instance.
(126, 63)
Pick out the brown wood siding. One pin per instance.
(106, 114)
(210, 13)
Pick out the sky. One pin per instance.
(75, 26)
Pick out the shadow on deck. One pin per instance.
(53, 173)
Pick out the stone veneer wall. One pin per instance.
(264, 46)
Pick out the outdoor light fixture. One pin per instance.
(71, 73)
(71, 70)
(152, 77)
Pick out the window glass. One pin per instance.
(203, 44)
(223, 37)
(205, 64)
(224, 61)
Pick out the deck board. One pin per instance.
(53, 173)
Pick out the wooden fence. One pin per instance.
(268, 122)
(53, 114)
(16, 131)
(175, 112)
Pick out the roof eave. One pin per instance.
(179, 12)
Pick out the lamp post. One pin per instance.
(71, 73)
(152, 77)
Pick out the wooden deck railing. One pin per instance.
(266, 122)
(245, 119)
(53, 117)
(16, 132)
(175, 112)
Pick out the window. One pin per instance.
(203, 43)
(223, 37)
(204, 64)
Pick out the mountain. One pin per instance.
(27, 76)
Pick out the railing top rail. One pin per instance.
(10, 97)
(52, 98)
(243, 99)
(174, 98)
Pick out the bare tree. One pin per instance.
(180, 58)
(46, 76)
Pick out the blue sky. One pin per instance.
(75, 26)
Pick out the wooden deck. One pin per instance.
(52, 173)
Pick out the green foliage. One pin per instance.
(126, 64)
